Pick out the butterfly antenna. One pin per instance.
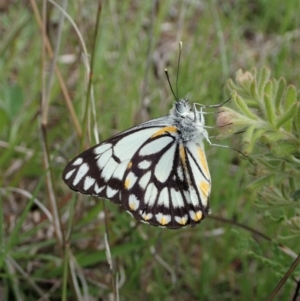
(167, 74)
(178, 64)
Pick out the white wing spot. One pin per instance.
(177, 199)
(98, 189)
(110, 192)
(109, 169)
(101, 162)
(150, 195)
(88, 182)
(82, 170)
(130, 143)
(144, 180)
(155, 146)
(162, 218)
(194, 198)
(69, 174)
(187, 196)
(102, 148)
(180, 173)
(120, 170)
(164, 165)
(144, 164)
(133, 202)
(163, 198)
(196, 216)
(130, 180)
(78, 161)
(182, 220)
(146, 216)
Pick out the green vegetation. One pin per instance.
(54, 243)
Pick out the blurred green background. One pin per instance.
(136, 41)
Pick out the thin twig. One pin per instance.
(14, 280)
(144, 93)
(58, 73)
(164, 264)
(53, 62)
(90, 72)
(284, 278)
(50, 188)
(220, 34)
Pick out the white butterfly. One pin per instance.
(157, 171)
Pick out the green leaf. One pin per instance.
(253, 89)
(272, 137)
(255, 136)
(281, 85)
(263, 78)
(290, 99)
(296, 120)
(288, 116)
(248, 135)
(231, 85)
(248, 140)
(13, 100)
(260, 182)
(283, 148)
(243, 106)
(269, 104)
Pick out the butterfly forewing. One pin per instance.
(99, 171)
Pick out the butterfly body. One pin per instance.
(157, 171)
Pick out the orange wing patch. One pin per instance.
(203, 161)
(133, 205)
(129, 165)
(182, 220)
(196, 216)
(170, 129)
(163, 219)
(126, 184)
(182, 154)
(204, 187)
(146, 217)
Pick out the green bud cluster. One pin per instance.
(266, 111)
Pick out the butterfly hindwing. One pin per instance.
(160, 185)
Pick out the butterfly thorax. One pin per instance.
(190, 123)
